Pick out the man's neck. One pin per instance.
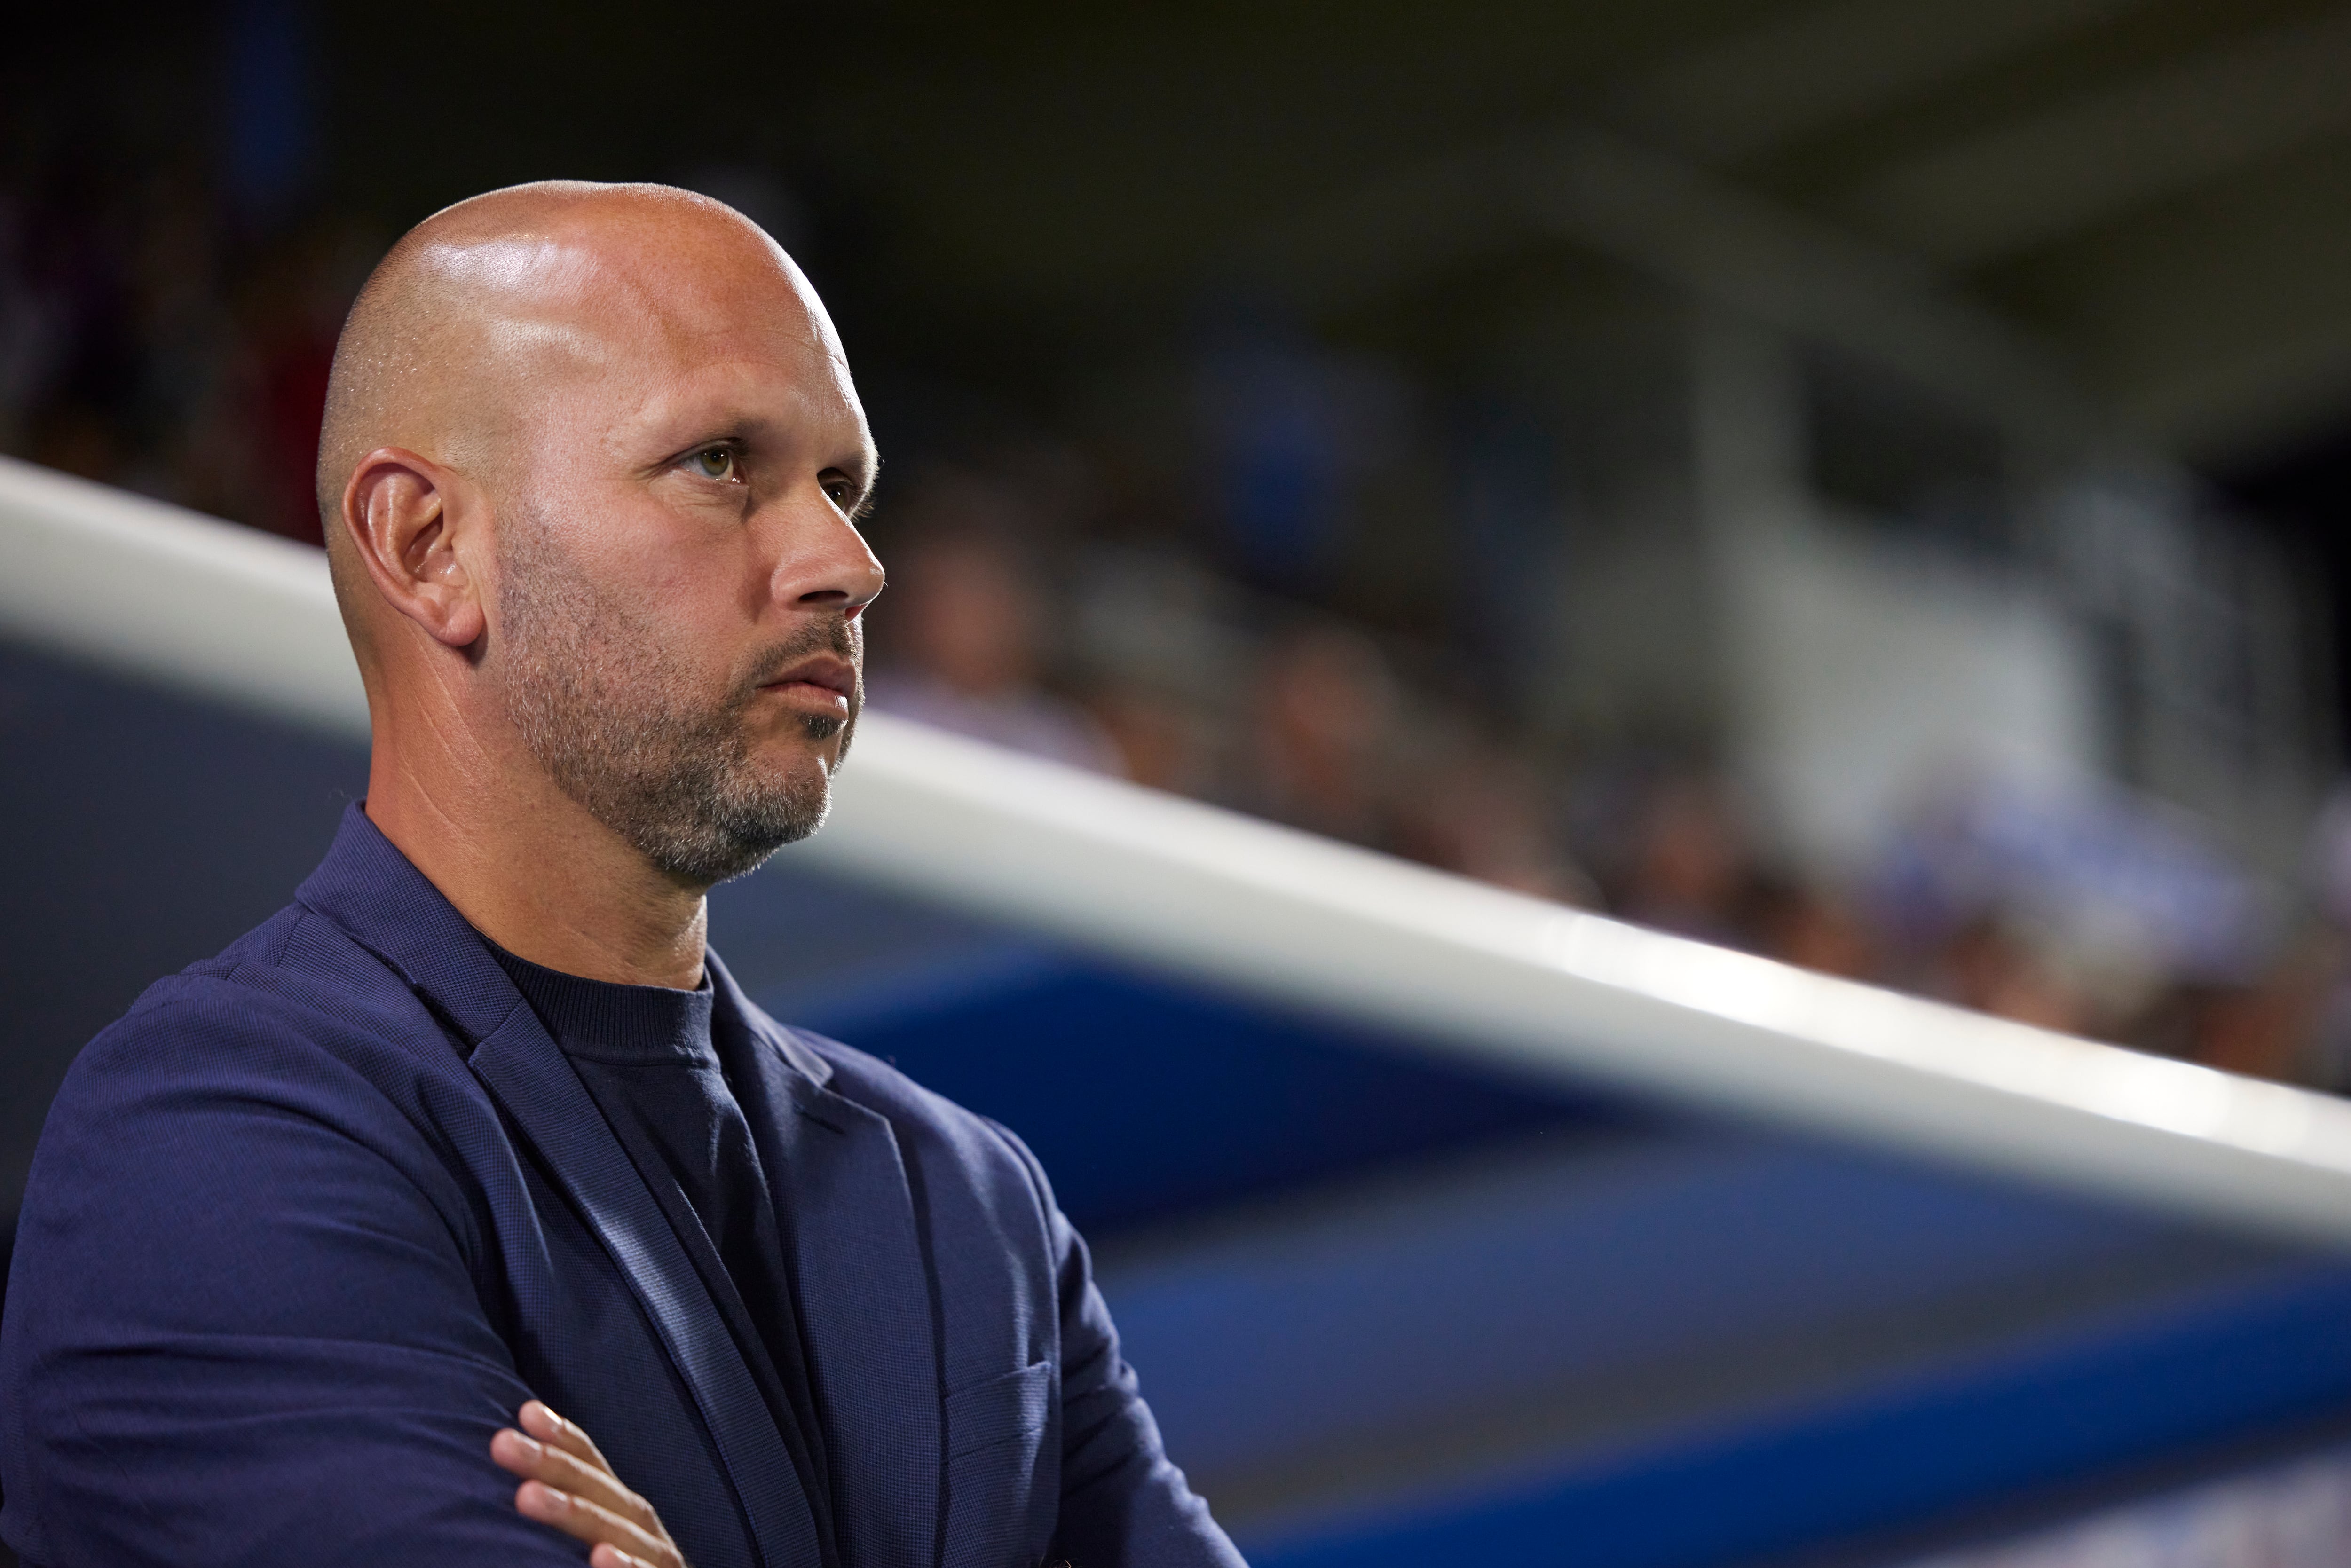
(531, 870)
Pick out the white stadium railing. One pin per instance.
(1468, 971)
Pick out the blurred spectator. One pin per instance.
(1325, 736)
(1163, 740)
(2324, 958)
(144, 343)
(28, 326)
(189, 349)
(2078, 903)
(1165, 660)
(294, 305)
(1990, 964)
(1484, 813)
(1806, 924)
(958, 641)
(1690, 868)
(74, 360)
(2266, 1029)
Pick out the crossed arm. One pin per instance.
(197, 1368)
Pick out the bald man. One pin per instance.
(324, 1234)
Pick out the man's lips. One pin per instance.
(828, 678)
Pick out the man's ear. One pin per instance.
(412, 522)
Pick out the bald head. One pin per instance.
(589, 470)
(487, 317)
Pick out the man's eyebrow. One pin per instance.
(871, 480)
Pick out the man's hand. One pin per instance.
(567, 1484)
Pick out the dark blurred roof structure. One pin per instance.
(2134, 199)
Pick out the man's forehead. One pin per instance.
(589, 294)
(692, 398)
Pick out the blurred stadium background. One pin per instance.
(1862, 482)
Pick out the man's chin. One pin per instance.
(736, 845)
(830, 738)
(792, 801)
(810, 746)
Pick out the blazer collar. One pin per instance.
(783, 1041)
(374, 892)
(369, 888)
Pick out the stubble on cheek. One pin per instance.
(607, 698)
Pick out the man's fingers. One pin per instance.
(544, 1425)
(568, 1484)
(536, 1461)
(600, 1527)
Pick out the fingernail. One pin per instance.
(530, 1446)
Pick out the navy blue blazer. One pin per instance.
(310, 1222)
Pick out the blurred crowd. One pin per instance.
(2088, 910)
(151, 338)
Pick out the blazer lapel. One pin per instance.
(866, 1295)
(370, 889)
(526, 1073)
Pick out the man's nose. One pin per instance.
(827, 563)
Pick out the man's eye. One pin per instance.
(713, 463)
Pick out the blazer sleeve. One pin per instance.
(1124, 1504)
(241, 1326)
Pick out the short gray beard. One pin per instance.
(617, 721)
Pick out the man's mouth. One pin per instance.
(826, 682)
